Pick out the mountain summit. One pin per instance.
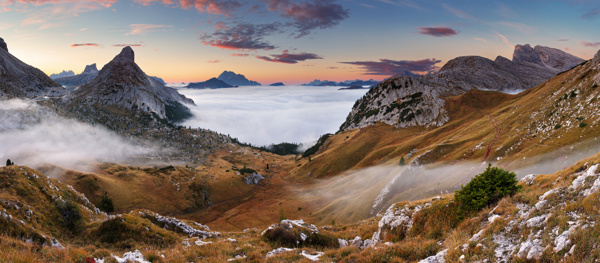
(122, 84)
(234, 79)
(21, 80)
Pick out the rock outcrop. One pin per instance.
(19, 80)
(121, 83)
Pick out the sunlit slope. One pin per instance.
(483, 126)
(214, 192)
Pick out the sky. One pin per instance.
(290, 41)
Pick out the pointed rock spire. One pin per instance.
(126, 55)
(3, 44)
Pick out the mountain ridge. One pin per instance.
(384, 103)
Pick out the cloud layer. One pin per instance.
(267, 115)
(387, 67)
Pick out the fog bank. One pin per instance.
(32, 135)
(269, 115)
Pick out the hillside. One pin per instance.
(556, 120)
(213, 83)
(551, 218)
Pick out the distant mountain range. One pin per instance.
(234, 79)
(88, 74)
(346, 83)
(62, 74)
(213, 83)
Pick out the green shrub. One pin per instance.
(106, 204)
(583, 124)
(486, 188)
(70, 213)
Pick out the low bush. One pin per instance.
(486, 188)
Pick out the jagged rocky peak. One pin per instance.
(126, 56)
(3, 44)
(234, 79)
(525, 53)
(90, 69)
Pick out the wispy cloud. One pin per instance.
(591, 14)
(563, 40)
(505, 11)
(214, 61)
(520, 27)
(505, 40)
(480, 39)
(240, 55)
(437, 31)
(406, 3)
(458, 12)
(85, 45)
(388, 67)
(590, 44)
(128, 45)
(290, 58)
(142, 29)
(217, 7)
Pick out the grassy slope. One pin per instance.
(512, 126)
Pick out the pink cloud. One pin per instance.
(85, 45)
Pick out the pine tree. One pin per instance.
(402, 161)
(9, 163)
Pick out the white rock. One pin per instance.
(312, 257)
(132, 256)
(440, 257)
(342, 242)
(493, 218)
(477, 236)
(279, 251)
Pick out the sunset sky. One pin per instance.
(293, 41)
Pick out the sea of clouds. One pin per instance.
(270, 115)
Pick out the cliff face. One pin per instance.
(19, 80)
(417, 100)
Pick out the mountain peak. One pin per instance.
(3, 45)
(525, 53)
(90, 69)
(234, 79)
(126, 55)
